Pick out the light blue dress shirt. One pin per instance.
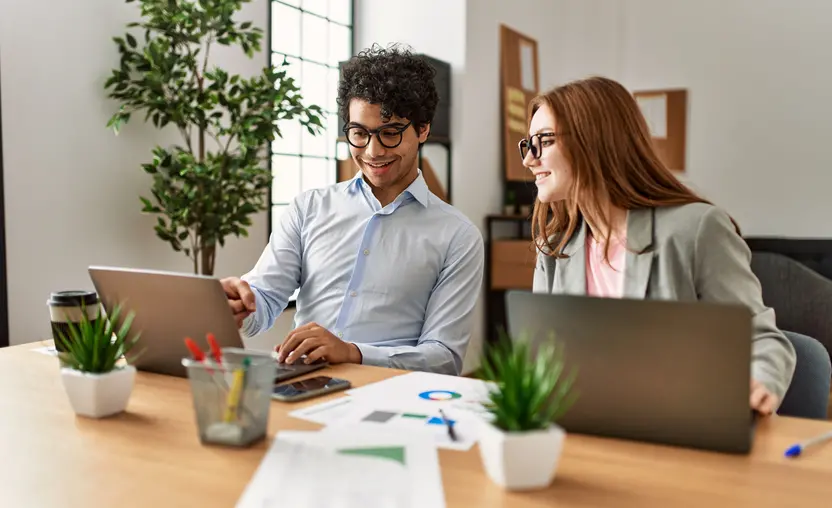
(399, 281)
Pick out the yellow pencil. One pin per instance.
(234, 394)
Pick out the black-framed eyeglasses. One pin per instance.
(535, 144)
(388, 136)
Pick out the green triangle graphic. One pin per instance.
(394, 453)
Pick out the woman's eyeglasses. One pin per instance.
(534, 144)
(389, 137)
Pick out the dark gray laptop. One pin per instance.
(171, 306)
(674, 373)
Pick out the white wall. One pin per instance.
(760, 101)
(71, 186)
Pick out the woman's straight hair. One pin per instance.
(605, 139)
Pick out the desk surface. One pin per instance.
(151, 456)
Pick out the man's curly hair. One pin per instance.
(400, 82)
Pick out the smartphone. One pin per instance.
(308, 388)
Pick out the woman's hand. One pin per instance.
(762, 400)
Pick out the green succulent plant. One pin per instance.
(94, 345)
(531, 390)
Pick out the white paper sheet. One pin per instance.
(347, 467)
(431, 424)
(47, 350)
(328, 412)
(654, 109)
(415, 389)
(410, 403)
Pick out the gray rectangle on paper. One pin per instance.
(379, 416)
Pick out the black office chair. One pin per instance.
(808, 394)
(801, 298)
(802, 302)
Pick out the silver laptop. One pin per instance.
(171, 306)
(674, 373)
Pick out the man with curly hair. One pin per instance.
(388, 274)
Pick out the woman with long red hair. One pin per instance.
(606, 204)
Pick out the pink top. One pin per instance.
(602, 279)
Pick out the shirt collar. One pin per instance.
(418, 188)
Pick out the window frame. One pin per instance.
(271, 54)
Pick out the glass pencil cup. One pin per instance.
(232, 400)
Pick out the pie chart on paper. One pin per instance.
(439, 395)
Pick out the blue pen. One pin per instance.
(450, 425)
(797, 449)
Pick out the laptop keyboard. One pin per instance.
(285, 367)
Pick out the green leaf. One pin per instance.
(90, 346)
(131, 41)
(530, 392)
(147, 205)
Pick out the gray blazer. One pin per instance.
(688, 252)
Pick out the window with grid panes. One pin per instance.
(313, 36)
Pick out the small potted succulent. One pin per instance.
(96, 379)
(521, 444)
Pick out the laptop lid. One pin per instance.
(168, 307)
(667, 372)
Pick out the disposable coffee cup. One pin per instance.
(67, 307)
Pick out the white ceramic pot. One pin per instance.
(99, 395)
(521, 460)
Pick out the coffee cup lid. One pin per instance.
(73, 298)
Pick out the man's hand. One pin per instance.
(316, 342)
(762, 400)
(240, 298)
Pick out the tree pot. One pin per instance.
(521, 460)
(99, 395)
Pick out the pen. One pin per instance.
(194, 349)
(199, 356)
(216, 352)
(450, 425)
(797, 449)
(232, 401)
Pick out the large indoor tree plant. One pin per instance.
(208, 187)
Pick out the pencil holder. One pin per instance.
(232, 399)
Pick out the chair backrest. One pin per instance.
(808, 394)
(801, 298)
(813, 253)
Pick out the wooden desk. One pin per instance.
(151, 456)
